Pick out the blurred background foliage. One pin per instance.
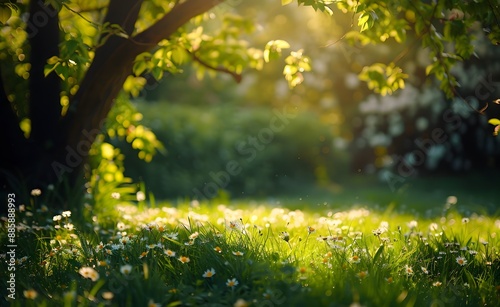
(342, 127)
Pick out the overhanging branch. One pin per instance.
(172, 21)
(236, 76)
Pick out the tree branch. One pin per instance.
(123, 13)
(105, 76)
(236, 76)
(114, 60)
(173, 20)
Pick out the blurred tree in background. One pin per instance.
(370, 132)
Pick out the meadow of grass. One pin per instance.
(252, 253)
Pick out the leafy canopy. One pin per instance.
(213, 42)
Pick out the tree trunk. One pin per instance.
(45, 106)
(23, 161)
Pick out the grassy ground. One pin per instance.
(335, 246)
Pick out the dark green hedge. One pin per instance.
(244, 151)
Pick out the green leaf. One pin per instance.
(139, 67)
(5, 13)
(179, 56)
(281, 44)
(157, 72)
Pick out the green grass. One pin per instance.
(297, 250)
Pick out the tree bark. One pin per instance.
(44, 102)
(27, 158)
(14, 144)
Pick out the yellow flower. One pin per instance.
(238, 253)
(209, 273)
(184, 259)
(218, 249)
(30, 294)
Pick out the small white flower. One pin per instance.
(408, 270)
(30, 294)
(66, 213)
(452, 200)
(89, 272)
(121, 226)
(172, 235)
(461, 261)
(126, 269)
(194, 235)
(57, 218)
(169, 253)
(184, 259)
(140, 196)
(36, 192)
(433, 227)
(231, 283)
(413, 224)
(209, 273)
